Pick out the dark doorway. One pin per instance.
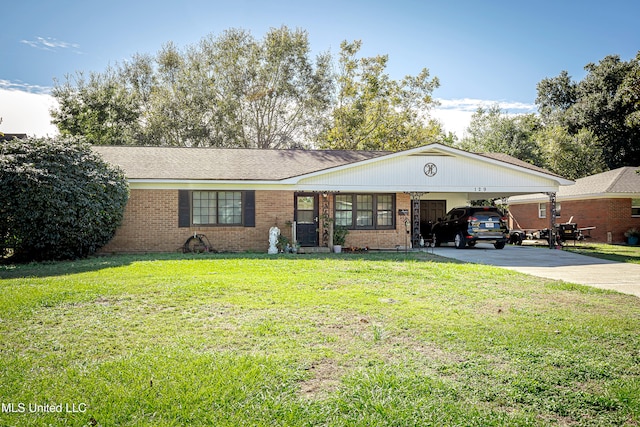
(430, 211)
(306, 217)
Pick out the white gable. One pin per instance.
(434, 168)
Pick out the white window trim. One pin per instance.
(542, 210)
(635, 204)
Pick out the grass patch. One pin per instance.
(620, 253)
(371, 339)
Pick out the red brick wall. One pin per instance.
(620, 219)
(382, 239)
(607, 215)
(525, 217)
(150, 224)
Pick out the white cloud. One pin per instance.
(453, 120)
(24, 111)
(455, 114)
(51, 44)
(24, 87)
(470, 104)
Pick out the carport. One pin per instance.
(437, 178)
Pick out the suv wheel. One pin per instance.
(460, 240)
(499, 245)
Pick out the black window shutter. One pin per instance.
(249, 208)
(184, 208)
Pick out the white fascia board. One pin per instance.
(495, 191)
(539, 198)
(528, 198)
(182, 184)
(600, 196)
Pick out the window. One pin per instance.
(217, 207)
(635, 207)
(344, 210)
(305, 209)
(384, 209)
(455, 214)
(365, 211)
(542, 210)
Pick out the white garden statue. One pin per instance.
(274, 232)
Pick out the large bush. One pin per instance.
(58, 199)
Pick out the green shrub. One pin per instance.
(58, 199)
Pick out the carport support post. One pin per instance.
(415, 213)
(552, 221)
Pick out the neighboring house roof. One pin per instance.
(621, 182)
(236, 164)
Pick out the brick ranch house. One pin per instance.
(234, 196)
(609, 201)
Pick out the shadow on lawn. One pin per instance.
(61, 268)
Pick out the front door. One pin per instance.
(430, 211)
(306, 217)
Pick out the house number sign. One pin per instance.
(430, 169)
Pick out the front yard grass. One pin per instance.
(620, 253)
(335, 340)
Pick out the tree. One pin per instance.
(605, 102)
(227, 91)
(571, 156)
(630, 93)
(555, 96)
(58, 199)
(374, 112)
(268, 93)
(100, 109)
(493, 130)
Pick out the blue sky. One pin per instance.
(483, 52)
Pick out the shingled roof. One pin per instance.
(618, 181)
(236, 164)
(621, 182)
(181, 163)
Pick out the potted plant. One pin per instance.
(339, 236)
(632, 235)
(282, 244)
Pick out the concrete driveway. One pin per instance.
(553, 264)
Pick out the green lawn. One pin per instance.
(331, 340)
(621, 253)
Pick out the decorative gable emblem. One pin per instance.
(430, 169)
